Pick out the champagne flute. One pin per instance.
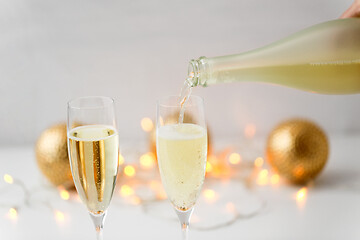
(181, 152)
(94, 152)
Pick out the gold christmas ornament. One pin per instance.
(298, 150)
(52, 155)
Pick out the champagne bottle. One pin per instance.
(324, 58)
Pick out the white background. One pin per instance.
(138, 51)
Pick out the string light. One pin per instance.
(230, 207)
(259, 162)
(275, 179)
(209, 167)
(301, 196)
(13, 211)
(13, 214)
(59, 216)
(157, 187)
(121, 160)
(147, 124)
(64, 194)
(210, 195)
(161, 120)
(129, 171)
(135, 200)
(262, 178)
(147, 160)
(234, 158)
(126, 190)
(8, 179)
(217, 165)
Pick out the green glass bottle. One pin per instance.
(324, 58)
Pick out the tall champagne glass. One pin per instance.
(94, 152)
(181, 152)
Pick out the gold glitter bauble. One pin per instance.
(298, 150)
(52, 155)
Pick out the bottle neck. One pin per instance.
(198, 72)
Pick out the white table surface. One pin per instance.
(331, 210)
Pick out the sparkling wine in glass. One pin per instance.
(181, 152)
(93, 145)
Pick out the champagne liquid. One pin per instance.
(93, 154)
(320, 77)
(182, 150)
(184, 96)
(324, 58)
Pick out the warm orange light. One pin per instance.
(210, 195)
(8, 179)
(161, 121)
(157, 187)
(13, 213)
(64, 194)
(212, 159)
(126, 190)
(161, 194)
(275, 179)
(298, 171)
(147, 124)
(121, 160)
(230, 207)
(262, 178)
(129, 171)
(301, 196)
(209, 167)
(59, 216)
(234, 158)
(217, 165)
(154, 184)
(147, 160)
(191, 75)
(250, 130)
(263, 173)
(259, 162)
(135, 200)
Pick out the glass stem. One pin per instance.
(185, 230)
(184, 217)
(98, 220)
